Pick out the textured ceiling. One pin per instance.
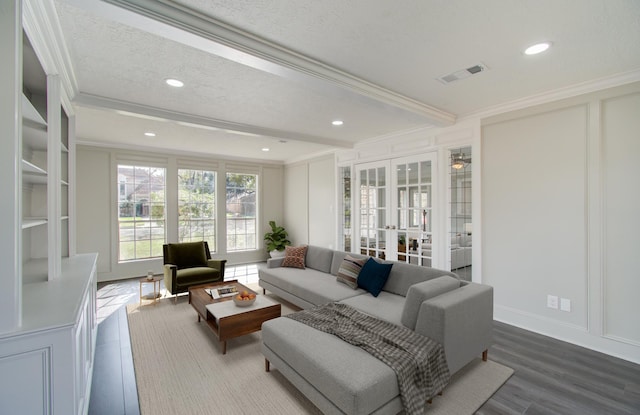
(401, 47)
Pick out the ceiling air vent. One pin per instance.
(463, 73)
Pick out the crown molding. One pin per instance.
(155, 151)
(556, 95)
(40, 21)
(124, 107)
(187, 26)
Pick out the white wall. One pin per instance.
(296, 203)
(93, 200)
(310, 194)
(553, 177)
(621, 219)
(97, 205)
(322, 185)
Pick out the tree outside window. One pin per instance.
(197, 206)
(241, 212)
(141, 212)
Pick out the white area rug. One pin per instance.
(180, 370)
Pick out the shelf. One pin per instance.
(30, 168)
(29, 178)
(33, 222)
(34, 137)
(31, 114)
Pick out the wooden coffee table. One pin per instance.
(225, 318)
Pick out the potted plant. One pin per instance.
(276, 240)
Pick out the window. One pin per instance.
(141, 207)
(197, 206)
(241, 212)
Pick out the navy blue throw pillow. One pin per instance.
(373, 276)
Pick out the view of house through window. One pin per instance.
(141, 212)
(241, 212)
(197, 206)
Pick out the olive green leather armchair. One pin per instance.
(189, 263)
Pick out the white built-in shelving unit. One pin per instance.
(48, 302)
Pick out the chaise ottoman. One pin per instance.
(337, 377)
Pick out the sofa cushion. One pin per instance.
(319, 258)
(339, 256)
(353, 380)
(310, 285)
(349, 271)
(196, 275)
(418, 293)
(386, 306)
(294, 256)
(187, 255)
(403, 276)
(373, 276)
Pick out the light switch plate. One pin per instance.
(565, 304)
(552, 301)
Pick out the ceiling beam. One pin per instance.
(194, 29)
(189, 120)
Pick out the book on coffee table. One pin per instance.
(226, 291)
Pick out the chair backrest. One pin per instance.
(186, 254)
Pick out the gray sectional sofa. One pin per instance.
(343, 379)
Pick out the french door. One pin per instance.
(394, 201)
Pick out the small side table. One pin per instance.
(156, 287)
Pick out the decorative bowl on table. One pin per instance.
(244, 299)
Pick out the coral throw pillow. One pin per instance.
(294, 256)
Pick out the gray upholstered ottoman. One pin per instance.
(337, 377)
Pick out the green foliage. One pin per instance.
(277, 238)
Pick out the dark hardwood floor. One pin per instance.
(551, 376)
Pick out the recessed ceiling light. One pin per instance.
(537, 48)
(174, 82)
(265, 149)
(150, 134)
(337, 123)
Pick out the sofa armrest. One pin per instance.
(274, 262)
(217, 264)
(170, 274)
(461, 320)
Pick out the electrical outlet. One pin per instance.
(565, 304)
(552, 301)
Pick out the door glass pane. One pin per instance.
(414, 197)
(412, 171)
(402, 197)
(413, 211)
(382, 194)
(382, 220)
(402, 174)
(381, 177)
(372, 203)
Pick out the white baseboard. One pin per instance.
(567, 332)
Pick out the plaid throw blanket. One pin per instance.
(419, 362)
